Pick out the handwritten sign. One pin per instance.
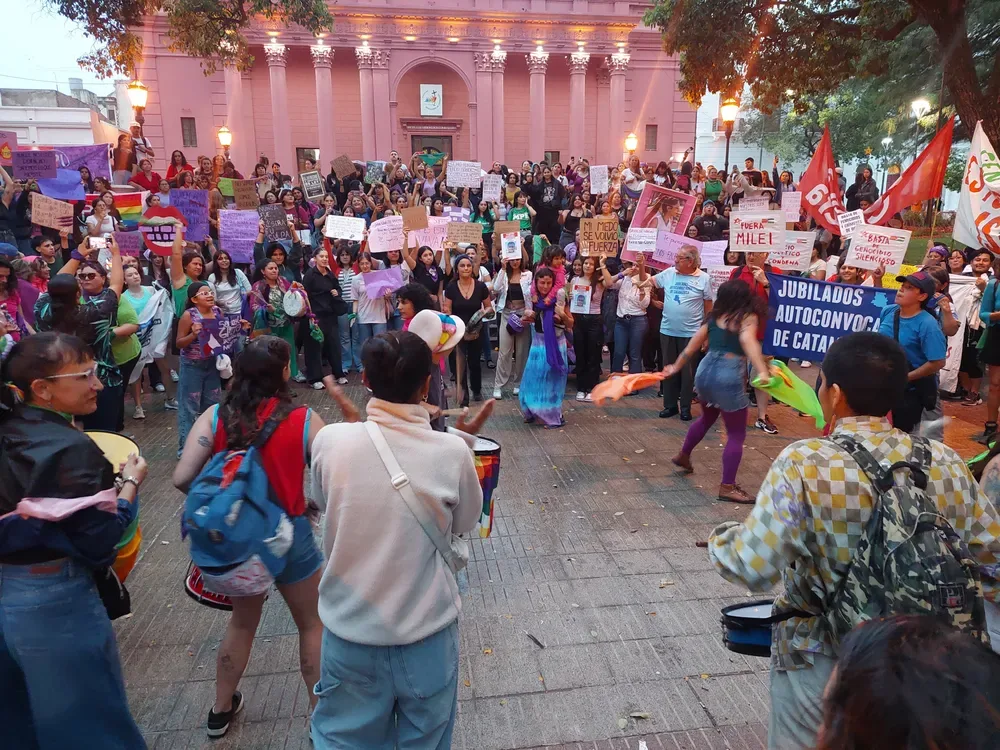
(8, 145)
(237, 234)
(599, 236)
(713, 253)
(753, 203)
(343, 166)
(510, 246)
(34, 165)
(641, 239)
(275, 222)
(245, 193)
(48, 212)
(464, 174)
(459, 231)
(873, 246)
(374, 172)
(130, 243)
(501, 228)
(193, 205)
(492, 185)
(791, 204)
(797, 253)
(377, 283)
(849, 221)
(414, 218)
(759, 232)
(312, 185)
(668, 245)
(386, 234)
(457, 213)
(434, 236)
(718, 275)
(345, 228)
(599, 180)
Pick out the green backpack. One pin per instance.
(909, 559)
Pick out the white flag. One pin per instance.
(977, 221)
(154, 330)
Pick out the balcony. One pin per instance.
(719, 127)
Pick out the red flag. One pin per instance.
(820, 190)
(921, 181)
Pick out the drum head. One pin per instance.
(294, 303)
(116, 448)
(194, 586)
(485, 445)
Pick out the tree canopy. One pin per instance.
(213, 30)
(796, 53)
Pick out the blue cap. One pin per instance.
(8, 250)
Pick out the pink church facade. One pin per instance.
(487, 80)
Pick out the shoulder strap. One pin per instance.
(401, 483)
(266, 430)
(895, 324)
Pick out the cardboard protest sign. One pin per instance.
(492, 185)
(599, 236)
(434, 236)
(718, 275)
(343, 166)
(374, 172)
(130, 243)
(754, 203)
(312, 185)
(8, 145)
(34, 165)
(791, 204)
(275, 222)
(245, 193)
(599, 180)
(510, 246)
(193, 205)
(238, 233)
(465, 174)
(873, 246)
(345, 228)
(377, 283)
(760, 232)
(797, 253)
(48, 212)
(641, 240)
(470, 232)
(806, 316)
(849, 221)
(414, 218)
(386, 234)
(713, 253)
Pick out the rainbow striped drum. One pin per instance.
(117, 448)
(488, 469)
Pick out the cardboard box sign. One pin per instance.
(599, 236)
(414, 218)
(245, 193)
(469, 232)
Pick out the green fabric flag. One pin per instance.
(431, 160)
(226, 186)
(799, 395)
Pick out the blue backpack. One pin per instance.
(240, 535)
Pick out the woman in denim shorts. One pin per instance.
(260, 387)
(731, 332)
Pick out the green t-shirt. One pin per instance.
(180, 297)
(125, 350)
(522, 215)
(486, 220)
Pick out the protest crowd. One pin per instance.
(150, 282)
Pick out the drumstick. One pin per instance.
(701, 544)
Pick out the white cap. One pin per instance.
(440, 332)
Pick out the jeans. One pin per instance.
(198, 388)
(628, 341)
(329, 350)
(350, 349)
(588, 338)
(60, 672)
(384, 697)
(365, 332)
(681, 385)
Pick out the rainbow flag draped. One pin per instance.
(130, 206)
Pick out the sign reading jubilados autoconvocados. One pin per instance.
(806, 316)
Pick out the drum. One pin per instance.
(295, 302)
(194, 586)
(746, 628)
(117, 448)
(488, 469)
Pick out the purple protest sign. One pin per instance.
(377, 283)
(94, 158)
(193, 205)
(130, 243)
(219, 335)
(34, 165)
(237, 233)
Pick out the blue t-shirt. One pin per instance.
(920, 336)
(683, 301)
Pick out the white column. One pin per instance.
(499, 58)
(484, 108)
(538, 63)
(577, 101)
(322, 57)
(364, 56)
(281, 127)
(617, 66)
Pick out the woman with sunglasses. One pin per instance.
(60, 519)
(79, 303)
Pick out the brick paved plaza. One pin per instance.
(593, 554)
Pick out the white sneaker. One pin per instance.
(516, 391)
(341, 381)
(580, 395)
(170, 404)
(159, 388)
(318, 386)
(806, 365)
(138, 413)
(174, 376)
(497, 394)
(300, 378)
(588, 399)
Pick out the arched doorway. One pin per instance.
(432, 107)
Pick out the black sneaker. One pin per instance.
(670, 411)
(766, 425)
(218, 724)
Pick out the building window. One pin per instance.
(650, 138)
(551, 157)
(189, 132)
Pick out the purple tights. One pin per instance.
(736, 433)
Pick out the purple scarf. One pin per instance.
(548, 316)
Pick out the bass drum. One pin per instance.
(295, 302)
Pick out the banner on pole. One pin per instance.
(977, 220)
(963, 295)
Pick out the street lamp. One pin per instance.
(920, 107)
(225, 139)
(886, 142)
(631, 143)
(729, 109)
(137, 95)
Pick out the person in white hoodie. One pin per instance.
(388, 600)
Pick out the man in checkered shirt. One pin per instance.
(809, 516)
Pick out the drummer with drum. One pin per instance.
(810, 516)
